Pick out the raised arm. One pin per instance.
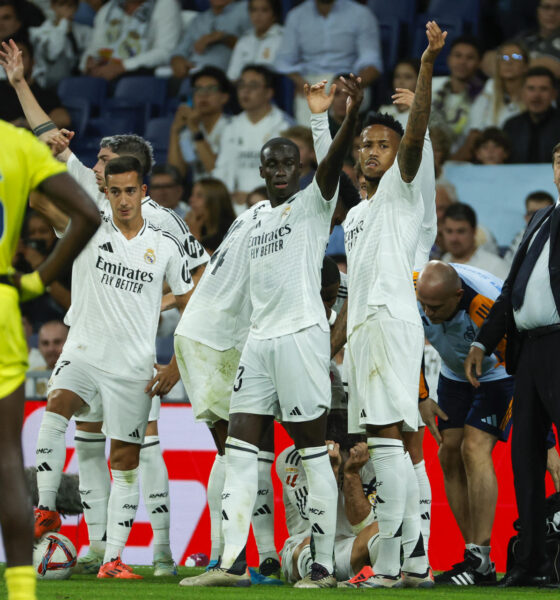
(328, 171)
(410, 149)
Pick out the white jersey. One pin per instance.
(161, 217)
(116, 297)
(295, 490)
(381, 236)
(428, 230)
(219, 311)
(286, 250)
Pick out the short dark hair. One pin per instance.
(132, 145)
(280, 141)
(329, 272)
(215, 73)
(468, 40)
(461, 212)
(496, 135)
(124, 164)
(541, 72)
(347, 192)
(167, 169)
(555, 150)
(276, 6)
(267, 74)
(21, 37)
(411, 62)
(383, 119)
(539, 196)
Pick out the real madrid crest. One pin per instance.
(150, 256)
(286, 211)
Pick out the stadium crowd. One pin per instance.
(207, 116)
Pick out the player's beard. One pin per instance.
(375, 180)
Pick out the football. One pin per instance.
(54, 556)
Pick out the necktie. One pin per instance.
(520, 284)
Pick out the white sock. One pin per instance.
(321, 503)
(95, 485)
(214, 491)
(425, 492)
(155, 491)
(482, 552)
(263, 511)
(415, 559)
(51, 454)
(304, 561)
(238, 498)
(387, 456)
(123, 504)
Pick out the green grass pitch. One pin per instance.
(87, 587)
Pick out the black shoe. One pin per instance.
(270, 567)
(465, 573)
(518, 577)
(446, 576)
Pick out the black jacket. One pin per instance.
(500, 320)
(533, 142)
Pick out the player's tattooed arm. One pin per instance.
(356, 505)
(338, 331)
(410, 149)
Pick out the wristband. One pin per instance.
(43, 128)
(30, 286)
(332, 318)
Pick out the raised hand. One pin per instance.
(352, 85)
(317, 99)
(11, 60)
(436, 41)
(403, 96)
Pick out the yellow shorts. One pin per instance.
(13, 348)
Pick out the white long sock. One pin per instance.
(415, 558)
(321, 503)
(51, 454)
(263, 511)
(214, 491)
(95, 485)
(425, 493)
(155, 491)
(388, 461)
(238, 498)
(123, 504)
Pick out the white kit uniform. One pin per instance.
(291, 473)
(385, 336)
(116, 299)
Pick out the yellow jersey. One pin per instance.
(24, 163)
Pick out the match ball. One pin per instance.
(54, 557)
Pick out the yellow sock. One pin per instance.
(21, 583)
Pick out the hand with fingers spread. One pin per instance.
(473, 365)
(352, 85)
(436, 41)
(403, 97)
(429, 409)
(11, 60)
(317, 99)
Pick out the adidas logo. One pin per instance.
(85, 505)
(134, 434)
(263, 510)
(363, 414)
(160, 509)
(425, 516)
(317, 529)
(44, 467)
(107, 247)
(127, 523)
(224, 515)
(295, 412)
(491, 420)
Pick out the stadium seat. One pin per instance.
(390, 44)
(157, 133)
(112, 122)
(164, 349)
(467, 11)
(79, 109)
(92, 89)
(403, 11)
(143, 90)
(454, 28)
(284, 93)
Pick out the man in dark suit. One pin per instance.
(527, 311)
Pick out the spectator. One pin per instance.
(534, 201)
(87, 11)
(257, 195)
(492, 147)
(459, 239)
(404, 76)
(10, 19)
(259, 45)
(210, 37)
(239, 157)
(303, 139)
(166, 188)
(59, 44)
(211, 212)
(52, 336)
(10, 107)
(337, 110)
(132, 36)
(501, 97)
(441, 145)
(196, 133)
(536, 130)
(325, 37)
(453, 96)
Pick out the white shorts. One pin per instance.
(122, 404)
(384, 357)
(286, 377)
(208, 377)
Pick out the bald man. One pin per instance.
(52, 336)
(453, 300)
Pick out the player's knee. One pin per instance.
(124, 457)
(63, 403)
(449, 457)
(474, 452)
